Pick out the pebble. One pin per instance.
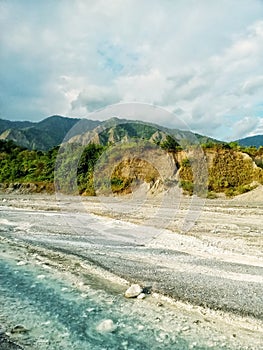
(141, 296)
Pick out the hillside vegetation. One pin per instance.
(19, 165)
(232, 169)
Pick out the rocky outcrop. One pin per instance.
(27, 188)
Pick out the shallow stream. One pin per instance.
(58, 316)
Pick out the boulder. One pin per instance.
(133, 291)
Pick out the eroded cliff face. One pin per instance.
(214, 170)
(229, 171)
(123, 169)
(129, 168)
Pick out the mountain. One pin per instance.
(255, 141)
(8, 124)
(51, 132)
(115, 130)
(42, 135)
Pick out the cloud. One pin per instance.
(95, 97)
(258, 130)
(245, 126)
(71, 58)
(253, 85)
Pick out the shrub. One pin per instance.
(187, 186)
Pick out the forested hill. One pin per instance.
(51, 132)
(20, 165)
(43, 135)
(231, 169)
(8, 124)
(254, 141)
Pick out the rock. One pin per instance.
(141, 296)
(19, 329)
(106, 326)
(147, 290)
(133, 291)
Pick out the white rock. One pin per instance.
(106, 326)
(133, 291)
(141, 296)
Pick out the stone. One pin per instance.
(133, 291)
(141, 296)
(106, 326)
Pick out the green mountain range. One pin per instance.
(51, 132)
(43, 135)
(253, 141)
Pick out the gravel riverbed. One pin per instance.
(61, 257)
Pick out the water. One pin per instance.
(61, 317)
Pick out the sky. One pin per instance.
(201, 60)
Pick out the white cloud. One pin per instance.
(258, 130)
(150, 87)
(253, 85)
(95, 97)
(245, 126)
(202, 58)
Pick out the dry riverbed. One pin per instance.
(81, 252)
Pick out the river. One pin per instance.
(61, 285)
